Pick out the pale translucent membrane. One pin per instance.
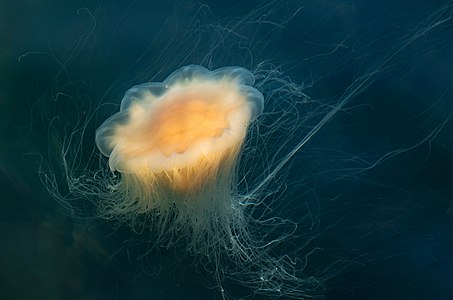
(142, 134)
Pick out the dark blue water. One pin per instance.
(372, 189)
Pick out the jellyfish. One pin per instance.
(201, 160)
(176, 145)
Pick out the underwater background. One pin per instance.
(372, 190)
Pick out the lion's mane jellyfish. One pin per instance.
(173, 150)
(223, 165)
(176, 145)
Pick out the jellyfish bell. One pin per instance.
(176, 145)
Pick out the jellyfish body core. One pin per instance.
(176, 145)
